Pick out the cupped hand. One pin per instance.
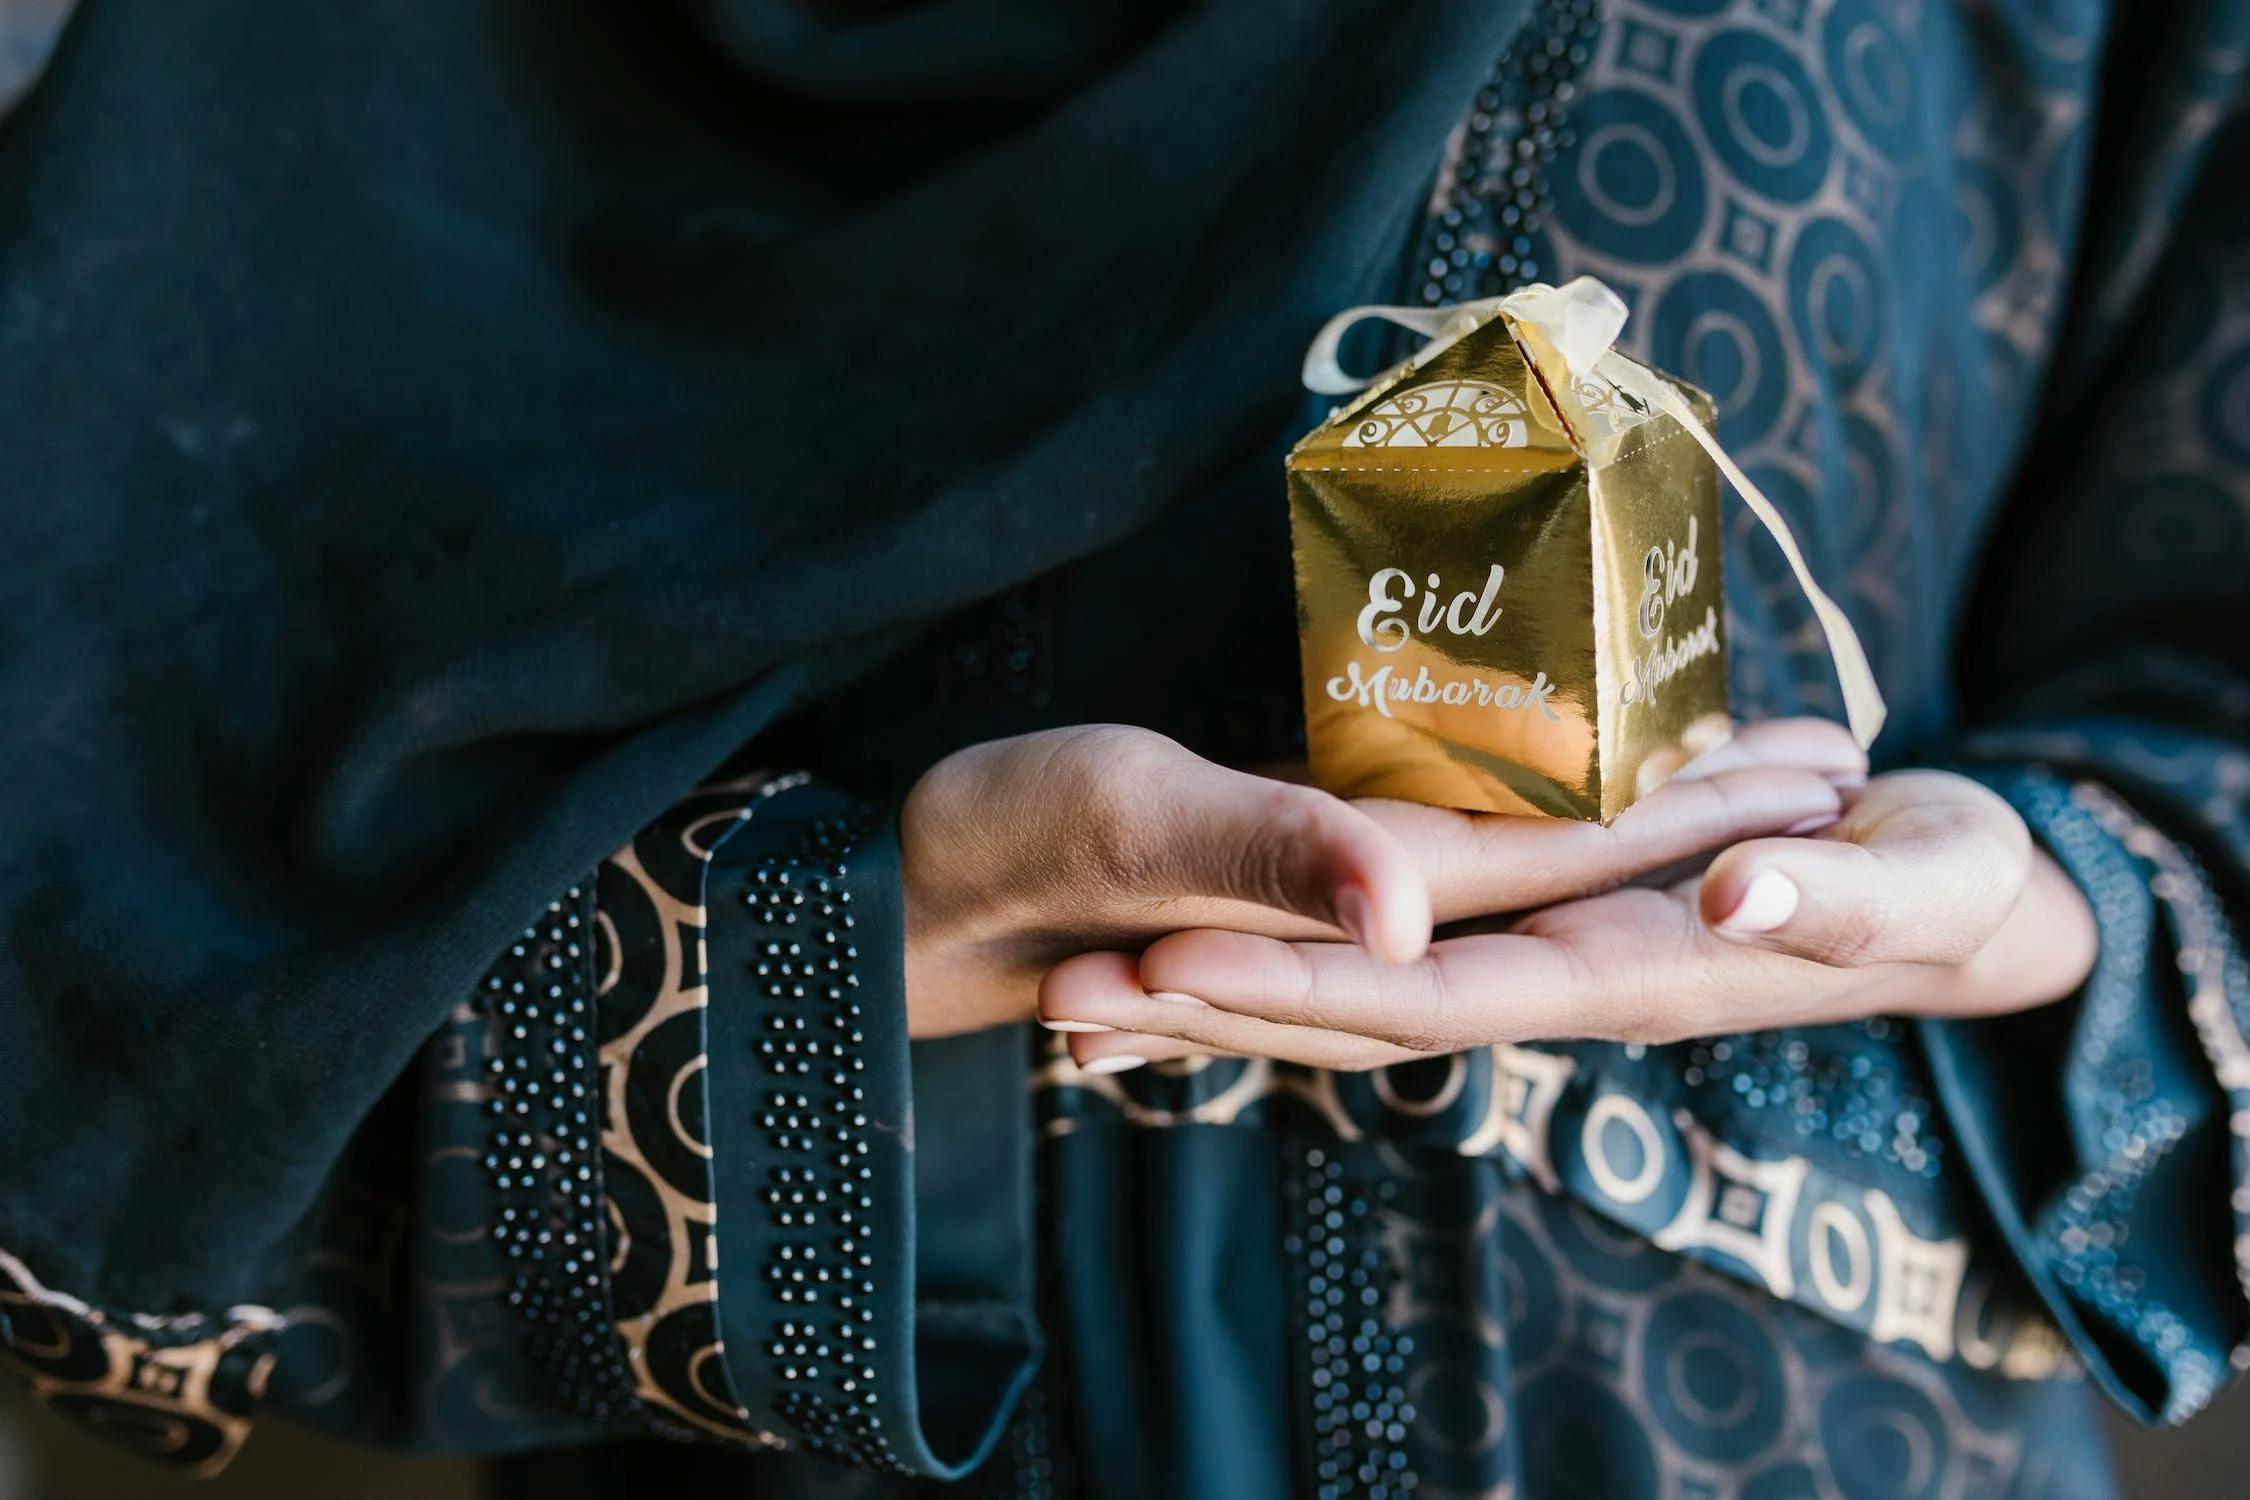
(1019, 854)
(1925, 897)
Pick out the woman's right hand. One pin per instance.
(1019, 853)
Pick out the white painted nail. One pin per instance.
(1768, 901)
(1174, 997)
(1115, 1062)
(1073, 1025)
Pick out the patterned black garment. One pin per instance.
(437, 437)
(676, 1173)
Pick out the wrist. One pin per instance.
(928, 909)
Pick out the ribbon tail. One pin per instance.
(1863, 700)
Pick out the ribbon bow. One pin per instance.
(1579, 323)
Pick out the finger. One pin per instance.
(1636, 965)
(1235, 836)
(1121, 1051)
(1467, 991)
(1480, 865)
(1770, 778)
(2042, 952)
(1803, 744)
(1104, 990)
(1924, 868)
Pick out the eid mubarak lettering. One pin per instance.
(1470, 612)
(1668, 574)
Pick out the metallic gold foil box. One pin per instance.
(1508, 587)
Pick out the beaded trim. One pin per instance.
(542, 1158)
(1360, 1413)
(2090, 1233)
(1484, 232)
(1834, 1084)
(2098, 829)
(819, 1265)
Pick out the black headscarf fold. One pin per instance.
(432, 436)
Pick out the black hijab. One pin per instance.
(432, 436)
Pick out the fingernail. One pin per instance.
(1847, 781)
(1812, 824)
(1356, 915)
(1768, 901)
(1073, 1025)
(1174, 997)
(1115, 1062)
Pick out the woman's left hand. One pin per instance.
(1926, 897)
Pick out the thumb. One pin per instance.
(1296, 849)
(1923, 868)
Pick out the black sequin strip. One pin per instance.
(1357, 1359)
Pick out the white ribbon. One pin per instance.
(1581, 322)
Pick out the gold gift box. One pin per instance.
(1508, 588)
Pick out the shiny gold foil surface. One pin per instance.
(1508, 589)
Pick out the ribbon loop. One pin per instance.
(1325, 374)
(1581, 321)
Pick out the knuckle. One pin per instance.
(1654, 1016)
(1725, 809)
(1993, 849)
(1417, 1010)
(1855, 935)
(1117, 848)
(1688, 1011)
(1961, 938)
(1415, 1026)
(1268, 867)
(1643, 988)
(1701, 808)
(1959, 945)
(1616, 1003)
(1103, 751)
(1288, 981)
(1099, 776)
(1617, 854)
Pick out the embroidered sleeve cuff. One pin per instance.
(2105, 1130)
(874, 1296)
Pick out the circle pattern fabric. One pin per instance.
(1755, 180)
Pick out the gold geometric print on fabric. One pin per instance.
(1781, 1223)
(146, 1384)
(650, 994)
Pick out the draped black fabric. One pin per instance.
(431, 436)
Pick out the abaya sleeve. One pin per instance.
(434, 437)
(699, 1045)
